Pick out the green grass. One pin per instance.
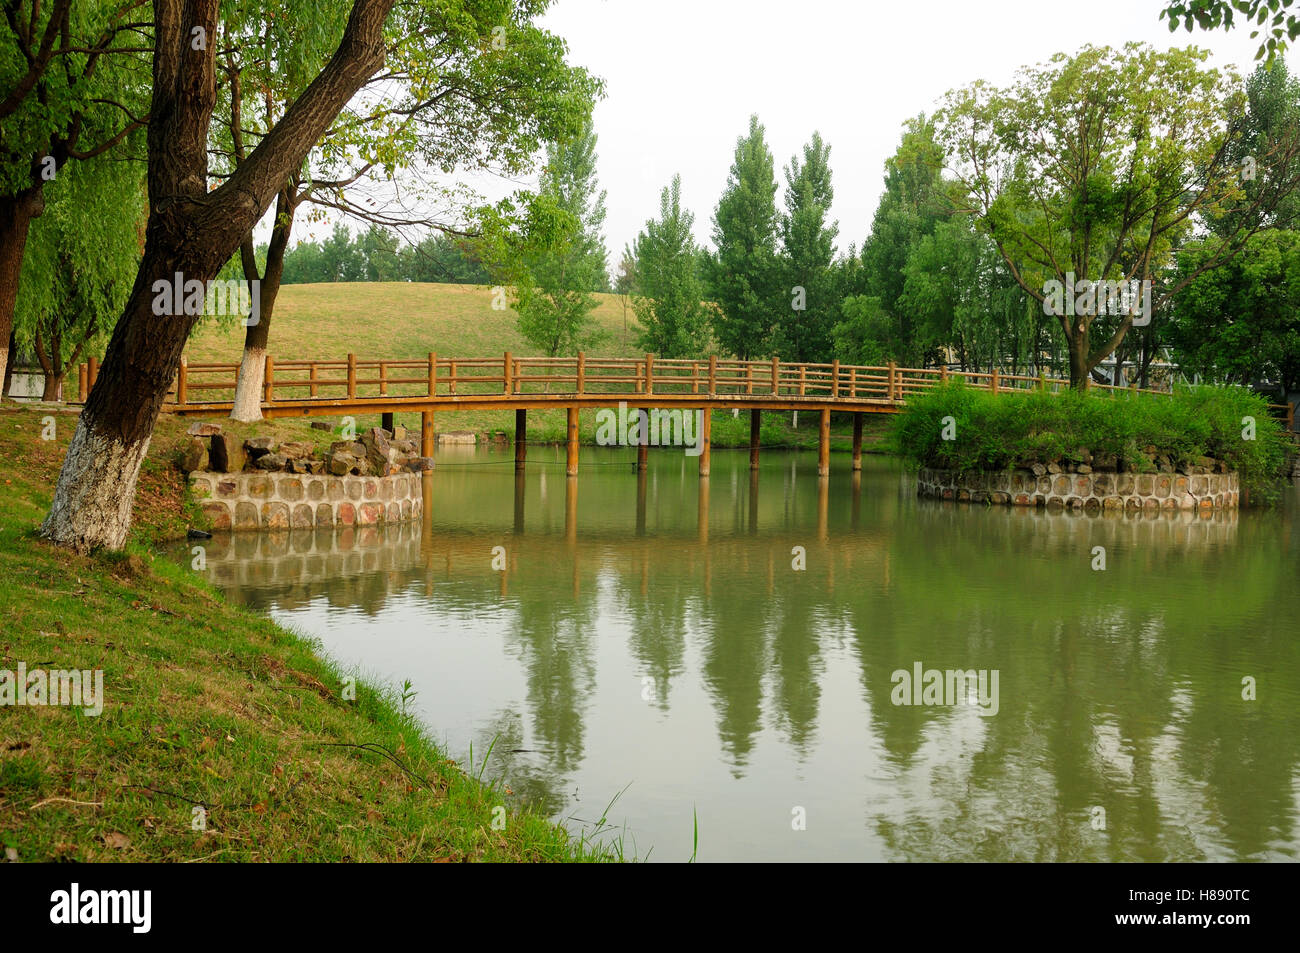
(208, 704)
(994, 432)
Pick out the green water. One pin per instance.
(652, 637)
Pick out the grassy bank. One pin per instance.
(956, 427)
(206, 706)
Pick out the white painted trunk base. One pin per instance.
(92, 501)
(248, 390)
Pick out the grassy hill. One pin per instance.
(398, 319)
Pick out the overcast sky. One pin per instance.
(683, 77)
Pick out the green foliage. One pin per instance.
(81, 258)
(667, 286)
(742, 273)
(995, 432)
(1240, 322)
(1272, 18)
(806, 317)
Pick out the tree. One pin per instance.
(1208, 14)
(191, 230)
(807, 316)
(742, 271)
(1095, 168)
(668, 290)
(80, 261)
(71, 88)
(503, 96)
(553, 289)
(1240, 323)
(625, 283)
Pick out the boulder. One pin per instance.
(320, 425)
(203, 428)
(271, 461)
(420, 464)
(399, 432)
(194, 456)
(225, 454)
(348, 446)
(297, 450)
(258, 446)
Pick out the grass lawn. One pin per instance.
(207, 707)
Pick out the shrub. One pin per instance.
(995, 432)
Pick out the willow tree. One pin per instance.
(477, 92)
(73, 86)
(1096, 167)
(192, 230)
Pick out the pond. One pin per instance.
(743, 651)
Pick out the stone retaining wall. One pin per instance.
(240, 501)
(1088, 491)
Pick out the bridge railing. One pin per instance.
(362, 379)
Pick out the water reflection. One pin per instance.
(652, 628)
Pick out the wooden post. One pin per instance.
(803, 379)
(93, 373)
(352, 375)
(521, 438)
(853, 382)
(749, 377)
(755, 425)
(776, 376)
(582, 372)
(824, 444)
(891, 380)
(505, 373)
(993, 381)
(426, 433)
(835, 378)
(82, 388)
(713, 374)
(649, 373)
(311, 375)
(433, 373)
(451, 380)
(571, 463)
(943, 373)
(383, 377)
(268, 380)
(705, 438)
(695, 377)
(857, 442)
(182, 386)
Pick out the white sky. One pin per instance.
(683, 76)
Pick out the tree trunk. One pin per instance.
(247, 405)
(191, 231)
(16, 214)
(10, 353)
(1078, 348)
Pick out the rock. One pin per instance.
(1053, 468)
(420, 464)
(1083, 468)
(271, 461)
(202, 428)
(194, 456)
(320, 425)
(1208, 463)
(406, 446)
(1083, 455)
(297, 450)
(258, 446)
(348, 446)
(298, 466)
(225, 454)
(315, 467)
(1039, 469)
(399, 432)
(340, 462)
(458, 437)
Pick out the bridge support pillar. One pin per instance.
(755, 423)
(824, 444)
(857, 442)
(571, 463)
(705, 439)
(426, 433)
(521, 439)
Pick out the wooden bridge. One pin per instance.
(302, 388)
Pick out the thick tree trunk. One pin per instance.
(1078, 348)
(191, 231)
(53, 389)
(16, 214)
(10, 345)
